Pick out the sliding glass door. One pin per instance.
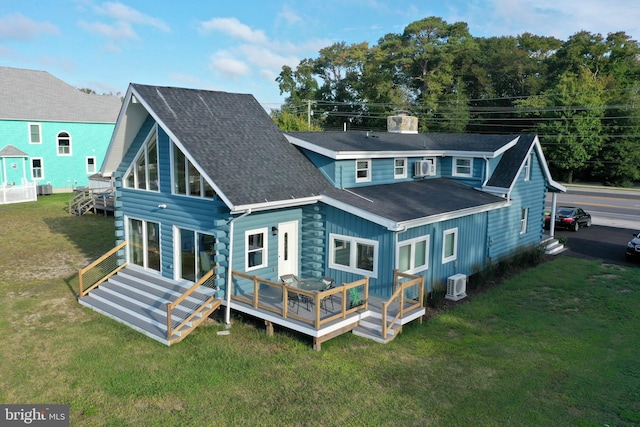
(144, 243)
(195, 254)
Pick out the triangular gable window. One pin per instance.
(143, 174)
(187, 180)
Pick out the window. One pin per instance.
(413, 255)
(35, 133)
(91, 165)
(400, 168)
(449, 245)
(187, 180)
(462, 166)
(363, 170)
(37, 170)
(64, 144)
(527, 167)
(143, 174)
(354, 255)
(256, 250)
(523, 220)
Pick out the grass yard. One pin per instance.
(558, 345)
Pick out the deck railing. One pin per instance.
(413, 285)
(346, 291)
(100, 270)
(194, 308)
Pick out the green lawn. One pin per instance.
(555, 346)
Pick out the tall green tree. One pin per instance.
(570, 125)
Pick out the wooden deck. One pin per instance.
(323, 320)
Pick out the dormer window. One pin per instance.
(363, 170)
(462, 167)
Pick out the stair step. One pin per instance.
(139, 300)
(153, 330)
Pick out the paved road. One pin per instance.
(615, 214)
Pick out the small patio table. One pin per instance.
(311, 284)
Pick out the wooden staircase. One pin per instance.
(371, 326)
(139, 300)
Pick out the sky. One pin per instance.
(241, 46)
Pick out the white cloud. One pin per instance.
(19, 27)
(118, 31)
(223, 62)
(289, 15)
(234, 28)
(265, 58)
(125, 13)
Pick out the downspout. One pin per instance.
(486, 171)
(229, 268)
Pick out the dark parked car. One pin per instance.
(633, 248)
(571, 218)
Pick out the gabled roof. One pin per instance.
(506, 173)
(230, 138)
(350, 145)
(411, 203)
(39, 96)
(11, 151)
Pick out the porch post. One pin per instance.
(552, 217)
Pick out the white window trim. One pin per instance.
(527, 167)
(404, 168)
(368, 169)
(33, 178)
(454, 169)
(39, 132)
(412, 242)
(523, 220)
(353, 255)
(445, 233)
(95, 168)
(265, 251)
(70, 153)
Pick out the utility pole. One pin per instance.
(309, 114)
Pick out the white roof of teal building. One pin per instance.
(39, 96)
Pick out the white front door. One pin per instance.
(288, 248)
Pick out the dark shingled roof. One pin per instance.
(410, 200)
(236, 144)
(384, 141)
(507, 170)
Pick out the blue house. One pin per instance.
(216, 202)
(51, 134)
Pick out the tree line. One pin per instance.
(580, 95)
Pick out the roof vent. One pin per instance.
(402, 122)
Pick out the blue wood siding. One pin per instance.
(256, 221)
(505, 224)
(326, 165)
(209, 216)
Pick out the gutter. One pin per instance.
(227, 293)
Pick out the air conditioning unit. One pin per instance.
(424, 168)
(456, 287)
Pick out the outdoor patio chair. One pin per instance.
(294, 298)
(328, 281)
